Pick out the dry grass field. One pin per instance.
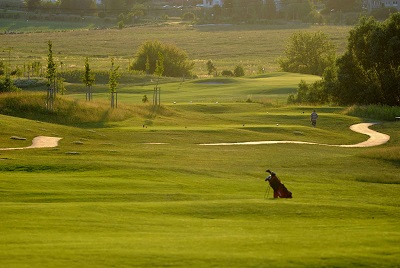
(251, 46)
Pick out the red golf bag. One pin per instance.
(279, 188)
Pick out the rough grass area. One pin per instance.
(66, 111)
(378, 112)
(251, 46)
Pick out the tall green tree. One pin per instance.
(309, 53)
(88, 79)
(158, 72)
(113, 84)
(211, 67)
(51, 78)
(51, 67)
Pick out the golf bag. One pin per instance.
(279, 188)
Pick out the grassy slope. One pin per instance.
(272, 87)
(122, 202)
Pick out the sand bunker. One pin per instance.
(39, 142)
(375, 139)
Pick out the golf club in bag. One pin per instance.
(279, 188)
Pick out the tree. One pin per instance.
(296, 9)
(113, 83)
(270, 9)
(369, 71)
(51, 66)
(159, 66)
(32, 4)
(147, 65)
(309, 53)
(88, 79)
(342, 5)
(78, 6)
(210, 67)
(158, 72)
(309, 93)
(51, 78)
(176, 61)
(115, 6)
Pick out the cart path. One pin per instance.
(375, 139)
(39, 142)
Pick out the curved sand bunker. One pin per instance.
(375, 139)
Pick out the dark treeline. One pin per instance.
(315, 11)
(367, 73)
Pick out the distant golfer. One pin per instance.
(279, 188)
(314, 117)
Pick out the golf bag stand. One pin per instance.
(279, 188)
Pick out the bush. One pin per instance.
(227, 73)
(309, 93)
(239, 71)
(31, 83)
(188, 16)
(7, 85)
(176, 62)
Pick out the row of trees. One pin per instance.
(88, 6)
(55, 82)
(306, 10)
(367, 73)
(258, 9)
(232, 10)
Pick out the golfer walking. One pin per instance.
(314, 117)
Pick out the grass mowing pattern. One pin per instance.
(121, 202)
(184, 205)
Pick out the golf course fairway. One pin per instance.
(129, 194)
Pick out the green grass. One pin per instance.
(107, 197)
(119, 201)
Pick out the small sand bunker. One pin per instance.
(39, 142)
